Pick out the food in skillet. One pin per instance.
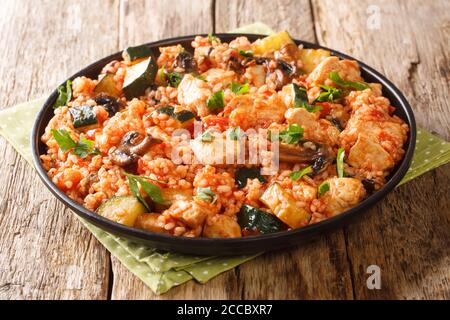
(112, 140)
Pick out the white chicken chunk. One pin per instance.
(348, 70)
(193, 93)
(254, 111)
(315, 129)
(218, 151)
(221, 226)
(344, 193)
(373, 138)
(190, 212)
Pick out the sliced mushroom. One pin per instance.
(186, 61)
(318, 157)
(110, 104)
(131, 147)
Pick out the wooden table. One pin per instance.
(45, 253)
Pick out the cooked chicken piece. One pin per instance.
(256, 75)
(372, 137)
(315, 129)
(214, 76)
(193, 93)
(348, 70)
(344, 193)
(149, 221)
(191, 212)
(221, 226)
(218, 151)
(253, 111)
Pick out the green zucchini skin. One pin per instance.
(83, 116)
(136, 86)
(182, 116)
(242, 174)
(254, 219)
(135, 53)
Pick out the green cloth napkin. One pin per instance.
(163, 270)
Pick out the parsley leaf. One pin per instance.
(358, 85)
(292, 134)
(330, 94)
(340, 162)
(174, 78)
(235, 133)
(64, 95)
(295, 175)
(207, 137)
(246, 53)
(216, 101)
(212, 39)
(83, 148)
(323, 188)
(301, 99)
(206, 194)
(239, 88)
(152, 191)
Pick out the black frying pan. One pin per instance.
(234, 246)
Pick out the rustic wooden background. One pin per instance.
(45, 253)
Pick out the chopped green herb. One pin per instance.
(200, 77)
(242, 174)
(207, 195)
(238, 88)
(82, 148)
(152, 191)
(212, 38)
(301, 99)
(323, 188)
(207, 137)
(329, 94)
(340, 163)
(293, 134)
(64, 95)
(235, 133)
(246, 53)
(174, 79)
(358, 85)
(216, 101)
(300, 173)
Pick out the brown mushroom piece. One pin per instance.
(131, 147)
(318, 156)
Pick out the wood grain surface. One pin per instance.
(45, 253)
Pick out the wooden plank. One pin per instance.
(141, 22)
(318, 270)
(45, 253)
(291, 15)
(407, 234)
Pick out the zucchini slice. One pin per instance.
(131, 54)
(124, 210)
(139, 77)
(256, 220)
(271, 43)
(283, 205)
(184, 117)
(83, 116)
(107, 85)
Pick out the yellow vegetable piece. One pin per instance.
(124, 210)
(312, 57)
(107, 85)
(271, 43)
(283, 205)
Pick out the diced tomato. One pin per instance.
(216, 121)
(326, 108)
(90, 135)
